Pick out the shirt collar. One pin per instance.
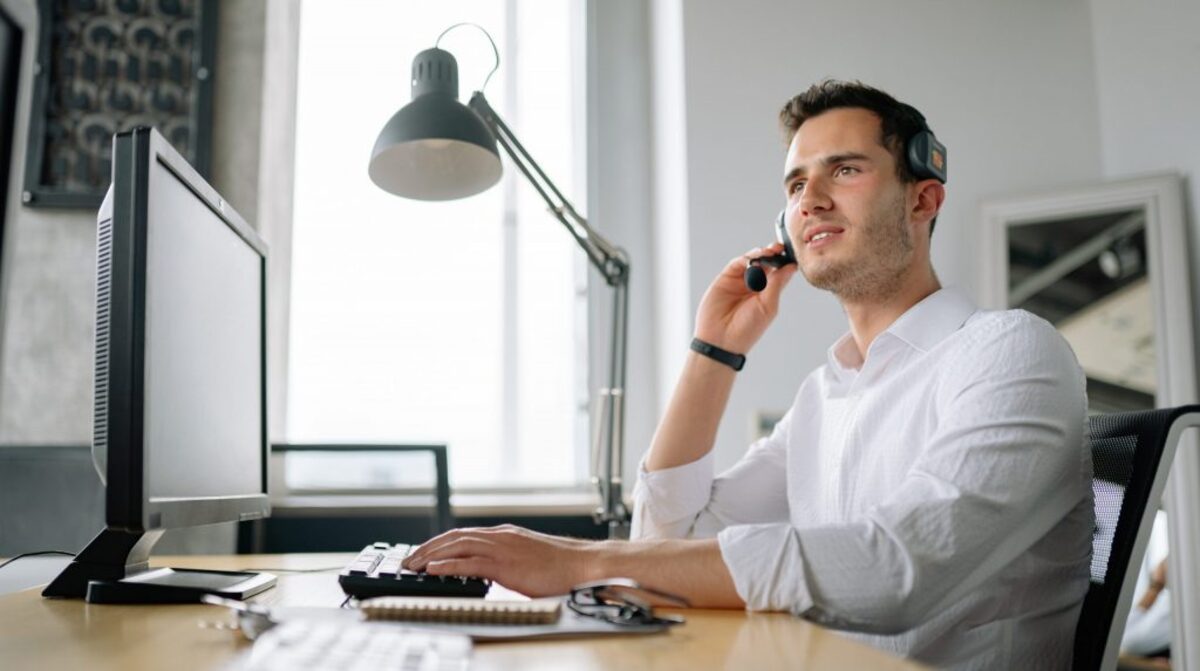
(844, 357)
(922, 326)
(932, 320)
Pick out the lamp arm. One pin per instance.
(609, 259)
(612, 509)
(613, 264)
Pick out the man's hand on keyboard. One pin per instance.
(525, 561)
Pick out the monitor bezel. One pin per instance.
(128, 506)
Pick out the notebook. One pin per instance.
(496, 620)
(462, 610)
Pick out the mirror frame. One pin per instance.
(1160, 196)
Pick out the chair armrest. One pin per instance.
(443, 520)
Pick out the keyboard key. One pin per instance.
(365, 563)
(389, 568)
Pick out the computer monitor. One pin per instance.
(180, 390)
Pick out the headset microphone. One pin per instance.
(755, 276)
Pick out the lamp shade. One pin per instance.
(435, 148)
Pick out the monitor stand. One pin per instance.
(115, 568)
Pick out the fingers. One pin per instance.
(737, 265)
(479, 567)
(778, 278)
(432, 545)
(463, 548)
(522, 560)
(458, 543)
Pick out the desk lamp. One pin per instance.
(436, 148)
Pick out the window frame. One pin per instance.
(573, 497)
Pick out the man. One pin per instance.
(930, 488)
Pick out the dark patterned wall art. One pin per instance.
(106, 66)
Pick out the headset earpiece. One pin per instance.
(781, 234)
(926, 156)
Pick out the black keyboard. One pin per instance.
(376, 572)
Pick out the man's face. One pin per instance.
(846, 211)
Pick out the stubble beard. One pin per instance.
(875, 273)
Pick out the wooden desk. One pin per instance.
(60, 634)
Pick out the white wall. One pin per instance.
(1009, 87)
(47, 296)
(1147, 65)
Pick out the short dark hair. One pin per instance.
(898, 121)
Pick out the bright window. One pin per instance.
(457, 322)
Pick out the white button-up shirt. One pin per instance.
(933, 498)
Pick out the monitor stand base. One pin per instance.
(115, 568)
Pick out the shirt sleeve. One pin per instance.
(1006, 463)
(689, 502)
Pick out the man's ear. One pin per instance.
(929, 195)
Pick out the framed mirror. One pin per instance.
(1107, 264)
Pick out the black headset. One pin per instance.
(926, 155)
(926, 158)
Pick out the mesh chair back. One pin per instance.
(1127, 456)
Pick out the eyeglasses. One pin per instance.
(622, 601)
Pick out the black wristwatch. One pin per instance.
(734, 361)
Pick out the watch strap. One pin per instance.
(734, 361)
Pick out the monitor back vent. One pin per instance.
(104, 236)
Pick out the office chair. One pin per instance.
(1131, 457)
